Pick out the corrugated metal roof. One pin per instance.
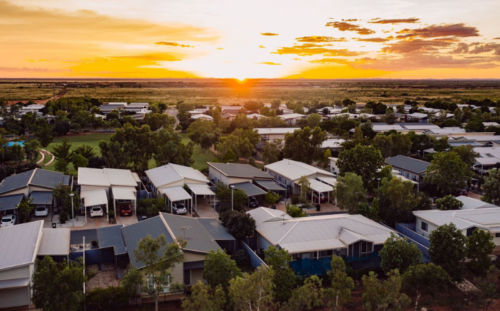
(471, 203)
(240, 170)
(309, 246)
(269, 185)
(132, 234)
(440, 218)
(293, 170)
(318, 186)
(192, 231)
(332, 181)
(249, 188)
(105, 177)
(41, 198)
(48, 179)
(55, 242)
(124, 193)
(94, 197)
(175, 194)
(10, 202)
(215, 228)
(280, 130)
(408, 164)
(262, 214)
(14, 182)
(18, 244)
(170, 173)
(76, 236)
(200, 189)
(112, 237)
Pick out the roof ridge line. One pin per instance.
(288, 232)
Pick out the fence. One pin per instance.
(255, 260)
(405, 231)
(91, 256)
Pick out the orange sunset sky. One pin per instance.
(316, 39)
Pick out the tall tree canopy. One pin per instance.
(448, 172)
(303, 145)
(364, 161)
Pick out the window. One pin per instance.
(296, 256)
(150, 283)
(314, 255)
(497, 235)
(187, 277)
(366, 248)
(424, 226)
(327, 253)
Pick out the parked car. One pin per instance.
(461, 192)
(322, 197)
(8, 220)
(96, 211)
(179, 208)
(126, 210)
(253, 202)
(41, 211)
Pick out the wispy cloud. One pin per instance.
(269, 63)
(320, 39)
(270, 34)
(403, 47)
(174, 44)
(309, 49)
(376, 40)
(412, 20)
(439, 31)
(343, 26)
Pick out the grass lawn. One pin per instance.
(199, 155)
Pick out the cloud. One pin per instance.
(375, 39)
(269, 34)
(220, 49)
(310, 49)
(320, 39)
(403, 47)
(174, 44)
(29, 69)
(343, 26)
(350, 20)
(159, 57)
(461, 48)
(261, 47)
(329, 61)
(497, 38)
(269, 63)
(395, 21)
(485, 48)
(440, 31)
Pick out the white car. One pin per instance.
(8, 220)
(96, 211)
(179, 208)
(41, 211)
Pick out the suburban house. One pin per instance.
(489, 157)
(105, 109)
(410, 168)
(202, 116)
(332, 165)
(201, 237)
(136, 107)
(420, 117)
(334, 144)
(291, 118)
(288, 172)
(471, 203)
(17, 264)
(466, 220)
(97, 185)
(273, 134)
(318, 237)
(255, 116)
(169, 180)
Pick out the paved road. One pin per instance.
(173, 112)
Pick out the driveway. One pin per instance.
(205, 210)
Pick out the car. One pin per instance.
(253, 202)
(179, 208)
(96, 211)
(322, 197)
(41, 211)
(8, 220)
(126, 210)
(461, 192)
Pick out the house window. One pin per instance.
(365, 248)
(150, 283)
(187, 277)
(424, 226)
(314, 255)
(497, 235)
(327, 253)
(296, 256)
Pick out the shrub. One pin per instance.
(242, 258)
(63, 217)
(295, 211)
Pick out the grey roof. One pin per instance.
(249, 188)
(36, 177)
(192, 231)
(10, 202)
(66, 180)
(112, 237)
(55, 242)
(408, 164)
(41, 197)
(19, 244)
(269, 185)
(76, 236)
(215, 228)
(240, 170)
(132, 234)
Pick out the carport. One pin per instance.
(11, 202)
(319, 187)
(250, 189)
(124, 194)
(55, 243)
(225, 240)
(42, 198)
(270, 185)
(175, 194)
(96, 197)
(200, 189)
(112, 247)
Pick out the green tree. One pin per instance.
(364, 161)
(295, 211)
(239, 224)
(448, 172)
(31, 149)
(155, 121)
(24, 209)
(313, 120)
(384, 143)
(399, 253)
(304, 145)
(479, 247)
(425, 279)
(306, 296)
(61, 166)
(449, 203)
(85, 150)
(253, 292)
(62, 194)
(467, 154)
(238, 198)
(491, 186)
(241, 142)
(204, 298)
(158, 257)
(79, 161)
(169, 148)
(271, 151)
(132, 282)
(398, 199)
(487, 289)
(271, 198)
(220, 269)
(448, 249)
(441, 144)
(44, 134)
(339, 292)
(63, 151)
(384, 295)
(401, 144)
(349, 192)
(58, 286)
(283, 278)
(204, 133)
(305, 186)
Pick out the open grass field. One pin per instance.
(92, 140)
(26, 91)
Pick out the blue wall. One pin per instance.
(91, 256)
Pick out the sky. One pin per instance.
(313, 39)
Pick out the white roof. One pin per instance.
(485, 218)
(279, 130)
(332, 143)
(471, 203)
(255, 116)
(170, 173)
(293, 170)
(488, 161)
(262, 214)
(417, 115)
(318, 186)
(105, 177)
(200, 189)
(94, 197)
(486, 124)
(118, 103)
(312, 233)
(124, 193)
(18, 244)
(55, 242)
(201, 116)
(291, 116)
(175, 194)
(447, 130)
(422, 126)
(332, 181)
(386, 128)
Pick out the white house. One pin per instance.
(273, 134)
(291, 118)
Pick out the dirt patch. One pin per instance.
(102, 279)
